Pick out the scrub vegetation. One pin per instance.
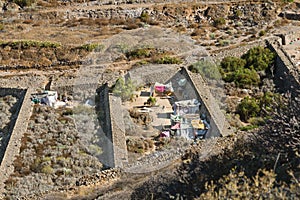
(244, 71)
(124, 89)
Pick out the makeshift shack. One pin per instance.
(163, 89)
(186, 107)
(49, 98)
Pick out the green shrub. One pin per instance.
(248, 127)
(233, 70)
(95, 150)
(140, 53)
(220, 21)
(231, 64)
(151, 101)
(92, 47)
(47, 169)
(259, 58)
(257, 121)
(68, 111)
(145, 17)
(243, 71)
(25, 44)
(249, 107)
(168, 60)
(24, 3)
(206, 68)
(262, 33)
(140, 63)
(82, 109)
(224, 43)
(238, 13)
(246, 78)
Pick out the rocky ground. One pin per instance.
(53, 153)
(8, 108)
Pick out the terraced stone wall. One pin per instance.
(18, 126)
(103, 109)
(286, 75)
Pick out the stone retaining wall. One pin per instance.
(111, 119)
(291, 15)
(103, 109)
(236, 52)
(287, 75)
(103, 176)
(19, 127)
(118, 131)
(113, 9)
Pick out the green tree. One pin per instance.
(124, 89)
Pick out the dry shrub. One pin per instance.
(50, 3)
(154, 23)
(10, 181)
(180, 28)
(38, 23)
(193, 25)
(117, 21)
(102, 22)
(45, 62)
(133, 24)
(105, 31)
(28, 21)
(71, 23)
(237, 186)
(139, 145)
(197, 32)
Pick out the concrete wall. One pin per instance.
(118, 131)
(104, 112)
(19, 127)
(110, 116)
(286, 75)
(291, 37)
(185, 92)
